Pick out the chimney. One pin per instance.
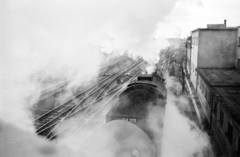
(225, 23)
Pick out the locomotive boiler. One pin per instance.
(135, 102)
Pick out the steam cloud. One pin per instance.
(63, 40)
(181, 136)
(20, 143)
(175, 134)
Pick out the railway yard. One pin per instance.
(82, 113)
(74, 120)
(120, 79)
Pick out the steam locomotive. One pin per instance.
(131, 116)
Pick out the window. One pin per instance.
(238, 147)
(215, 107)
(232, 90)
(202, 87)
(206, 93)
(239, 62)
(221, 118)
(210, 98)
(203, 90)
(229, 132)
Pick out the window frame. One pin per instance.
(229, 133)
(221, 118)
(215, 103)
(238, 146)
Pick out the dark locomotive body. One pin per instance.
(142, 94)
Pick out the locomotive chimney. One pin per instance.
(225, 23)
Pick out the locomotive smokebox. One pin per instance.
(134, 102)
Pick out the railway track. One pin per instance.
(113, 65)
(46, 122)
(94, 111)
(52, 92)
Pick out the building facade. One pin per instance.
(212, 48)
(219, 93)
(238, 50)
(213, 67)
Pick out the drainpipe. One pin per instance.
(183, 78)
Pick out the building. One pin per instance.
(213, 67)
(238, 49)
(212, 47)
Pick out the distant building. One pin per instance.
(213, 66)
(238, 49)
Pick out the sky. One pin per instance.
(189, 15)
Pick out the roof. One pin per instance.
(225, 84)
(215, 29)
(230, 99)
(221, 77)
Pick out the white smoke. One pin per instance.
(181, 136)
(22, 143)
(61, 40)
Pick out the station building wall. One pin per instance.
(194, 58)
(189, 59)
(225, 129)
(238, 50)
(203, 91)
(217, 48)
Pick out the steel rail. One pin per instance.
(80, 110)
(96, 100)
(40, 129)
(137, 73)
(96, 112)
(72, 98)
(72, 106)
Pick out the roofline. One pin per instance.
(209, 83)
(215, 29)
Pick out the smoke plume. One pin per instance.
(45, 42)
(181, 136)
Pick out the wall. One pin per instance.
(194, 58)
(229, 146)
(189, 59)
(203, 92)
(238, 50)
(217, 48)
(220, 131)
